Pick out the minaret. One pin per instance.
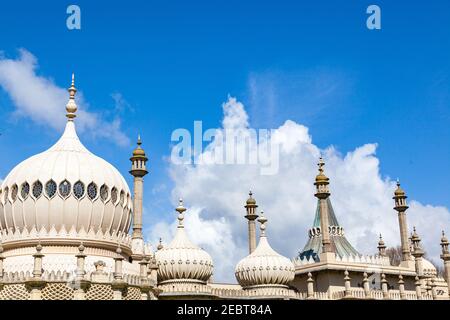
(138, 171)
(417, 253)
(400, 207)
(251, 216)
(445, 256)
(381, 247)
(322, 193)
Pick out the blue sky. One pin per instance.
(174, 62)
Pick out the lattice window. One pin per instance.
(14, 191)
(114, 195)
(37, 189)
(132, 293)
(64, 188)
(104, 192)
(15, 292)
(78, 189)
(92, 191)
(99, 292)
(24, 190)
(57, 291)
(122, 198)
(50, 188)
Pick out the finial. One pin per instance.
(81, 247)
(160, 245)
(251, 202)
(180, 209)
(262, 220)
(118, 250)
(71, 106)
(321, 164)
(39, 247)
(139, 142)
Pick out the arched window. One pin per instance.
(78, 189)
(104, 191)
(37, 189)
(114, 195)
(92, 191)
(5, 196)
(50, 188)
(24, 190)
(64, 188)
(14, 191)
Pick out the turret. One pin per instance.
(322, 193)
(251, 216)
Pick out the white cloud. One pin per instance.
(362, 198)
(40, 99)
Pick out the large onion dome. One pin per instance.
(181, 260)
(264, 266)
(64, 191)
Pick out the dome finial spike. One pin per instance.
(71, 106)
(262, 220)
(139, 142)
(180, 209)
(321, 164)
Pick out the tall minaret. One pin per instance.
(138, 171)
(445, 256)
(251, 216)
(400, 206)
(322, 193)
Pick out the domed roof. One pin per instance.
(264, 266)
(428, 268)
(65, 187)
(181, 259)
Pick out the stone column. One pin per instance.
(82, 285)
(366, 285)
(2, 257)
(153, 272)
(401, 287)
(35, 284)
(347, 285)
(118, 285)
(384, 286)
(433, 289)
(418, 288)
(145, 285)
(310, 285)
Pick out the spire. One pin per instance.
(71, 106)
(381, 247)
(415, 240)
(262, 220)
(180, 209)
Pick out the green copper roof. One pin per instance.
(339, 243)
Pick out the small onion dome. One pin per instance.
(399, 191)
(321, 177)
(181, 259)
(264, 266)
(251, 200)
(139, 152)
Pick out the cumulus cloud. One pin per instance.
(215, 195)
(40, 99)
